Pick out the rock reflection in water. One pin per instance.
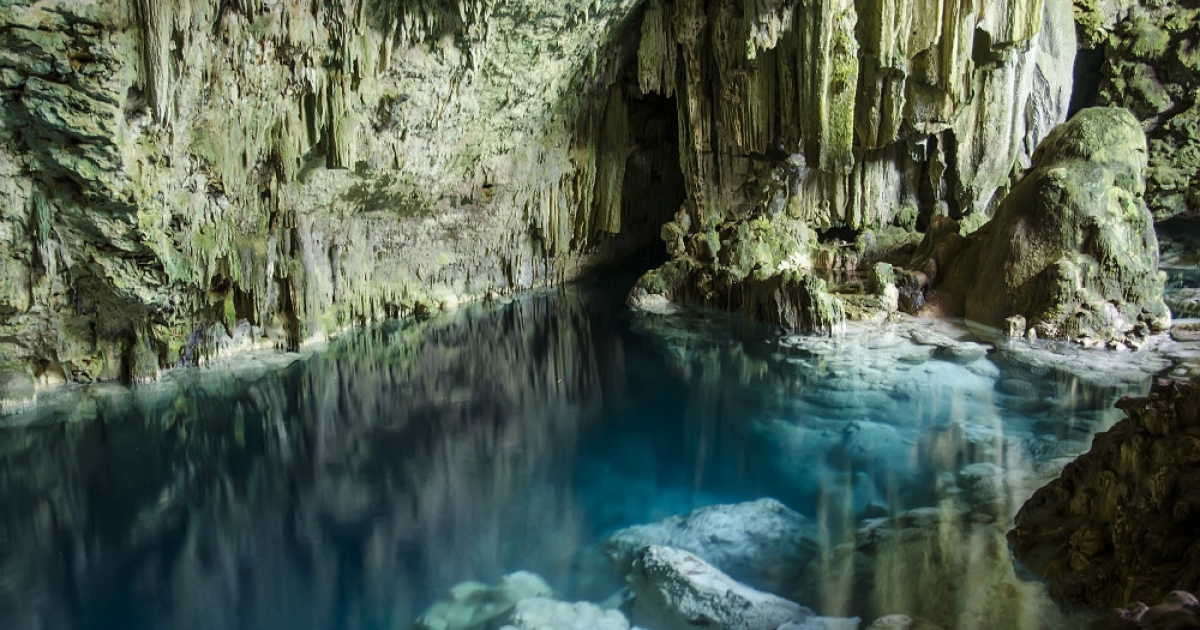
(353, 487)
(344, 492)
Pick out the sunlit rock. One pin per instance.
(761, 543)
(675, 590)
(1119, 523)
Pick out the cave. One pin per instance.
(616, 315)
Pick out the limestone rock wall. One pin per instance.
(174, 172)
(847, 113)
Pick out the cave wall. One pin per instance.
(1152, 67)
(177, 179)
(180, 177)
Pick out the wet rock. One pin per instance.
(948, 348)
(476, 606)
(1186, 333)
(675, 590)
(793, 300)
(1119, 523)
(901, 622)
(541, 613)
(761, 543)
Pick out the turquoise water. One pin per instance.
(352, 487)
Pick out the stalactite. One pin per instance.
(829, 80)
(610, 167)
(656, 53)
(155, 20)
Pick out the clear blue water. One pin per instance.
(351, 488)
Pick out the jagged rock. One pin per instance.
(678, 591)
(1072, 249)
(761, 543)
(1119, 523)
(540, 613)
(477, 606)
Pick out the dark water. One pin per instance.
(353, 487)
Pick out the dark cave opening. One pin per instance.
(836, 233)
(1089, 70)
(653, 188)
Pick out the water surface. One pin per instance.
(351, 488)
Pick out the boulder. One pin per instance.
(541, 613)
(1072, 249)
(1120, 522)
(675, 590)
(762, 543)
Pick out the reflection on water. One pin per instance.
(351, 488)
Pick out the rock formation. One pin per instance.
(1071, 253)
(762, 543)
(678, 591)
(808, 125)
(1119, 524)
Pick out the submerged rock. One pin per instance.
(1120, 522)
(541, 613)
(1072, 249)
(678, 591)
(762, 543)
(477, 606)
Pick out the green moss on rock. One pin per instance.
(1072, 249)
